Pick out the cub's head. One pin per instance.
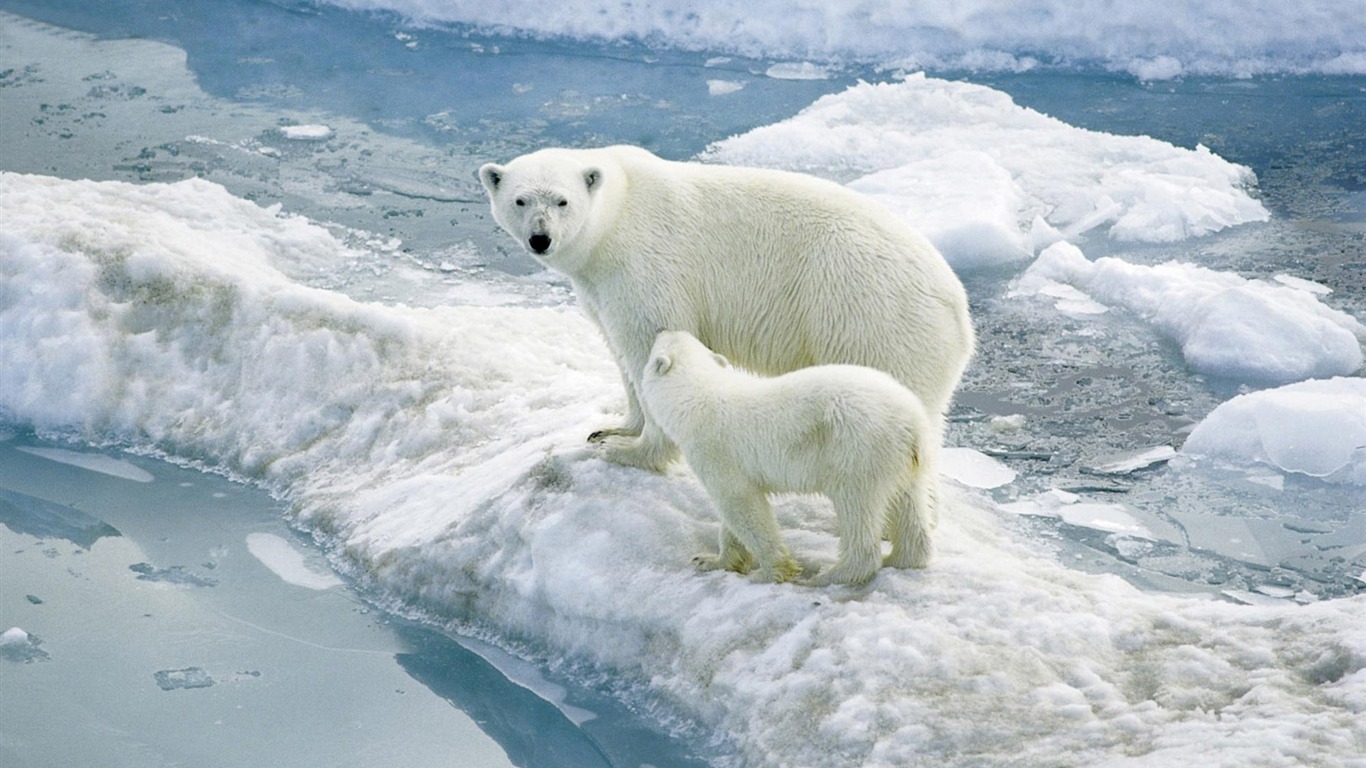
(543, 200)
(675, 351)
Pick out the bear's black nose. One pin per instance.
(539, 243)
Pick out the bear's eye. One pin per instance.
(521, 201)
(562, 203)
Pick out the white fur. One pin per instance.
(777, 271)
(849, 432)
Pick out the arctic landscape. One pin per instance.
(246, 240)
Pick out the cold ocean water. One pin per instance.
(341, 325)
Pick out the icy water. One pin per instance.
(152, 92)
(174, 619)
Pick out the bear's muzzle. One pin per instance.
(539, 243)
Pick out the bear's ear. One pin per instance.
(592, 178)
(492, 176)
(661, 365)
(720, 359)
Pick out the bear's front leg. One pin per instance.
(635, 417)
(652, 450)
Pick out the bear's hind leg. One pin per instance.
(858, 519)
(910, 521)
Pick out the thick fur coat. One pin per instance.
(777, 271)
(849, 432)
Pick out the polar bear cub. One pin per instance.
(849, 432)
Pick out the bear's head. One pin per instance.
(680, 350)
(544, 200)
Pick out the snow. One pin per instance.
(1315, 428)
(438, 454)
(988, 180)
(289, 563)
(1213, 37)
(1227, 326)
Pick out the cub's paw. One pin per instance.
(736, 562)
(909, 558)
(783, 570)
(844, 574)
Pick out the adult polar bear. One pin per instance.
(774, 270)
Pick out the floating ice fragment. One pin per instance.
(723, 87)
(1111, 518)
(1133, 462)
(1227, 326)
(1250, 598)
(989, 181)
(974, 468)
(288, 563)
(1315, 428)
(803, 70)
(306, 132)
(177, 679)
(20, 647)
(95, 462)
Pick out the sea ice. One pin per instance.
(984, 178)
(180, 679)
(288, 563)
(95, 462)
(1227, 326)
(723, 87)
(20, 647)
(306, 132)
(1315, 428)
(440, 452)
(1133, 461)
(974, 468)
(1218, 37)
(1110, 518)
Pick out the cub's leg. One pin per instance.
(858, 519)
(747, 521)
(732, 557)
(909, 525)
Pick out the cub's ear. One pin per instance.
(492, 176)
(720, 359)
(661, 365)
(592, 178)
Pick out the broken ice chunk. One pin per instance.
(1123, 464)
